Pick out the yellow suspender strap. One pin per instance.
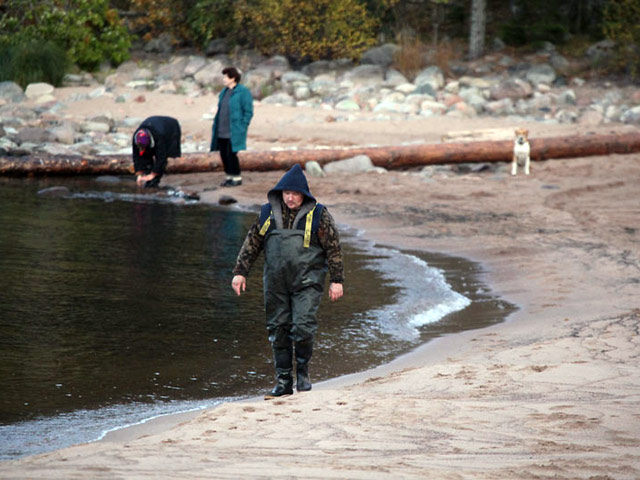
(307, 229)
(265, 226)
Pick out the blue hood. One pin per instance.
(293, 180)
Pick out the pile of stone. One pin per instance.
(538, 88)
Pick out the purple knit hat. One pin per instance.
(143, 139)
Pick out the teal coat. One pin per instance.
(240, 114)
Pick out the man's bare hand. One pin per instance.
(335, 291)
(239, 284)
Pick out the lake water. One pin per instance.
(117, 307)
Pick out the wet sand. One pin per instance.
(551, 393)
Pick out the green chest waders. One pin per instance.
(294, 276)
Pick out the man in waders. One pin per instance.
(300, 242)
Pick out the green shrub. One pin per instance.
(306, 29)
(32, 62)
(88, 30)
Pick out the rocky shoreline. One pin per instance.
(536, 88)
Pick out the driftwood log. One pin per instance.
(390, 157)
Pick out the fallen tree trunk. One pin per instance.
(390, 157)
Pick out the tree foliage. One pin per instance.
(622, 25)
(311, 29)
(209, 19)
(164, 16)
(88, 30)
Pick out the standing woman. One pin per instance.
(230, 125)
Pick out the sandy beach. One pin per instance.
(551, 393)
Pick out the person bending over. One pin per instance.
(156, 139)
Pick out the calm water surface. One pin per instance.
(116, 307)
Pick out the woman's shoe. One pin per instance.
(229, 182)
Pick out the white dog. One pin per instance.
(521, 151)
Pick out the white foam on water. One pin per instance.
(81, 426)
(424, 295)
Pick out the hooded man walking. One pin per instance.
(155, 140)
(300, 242)
(230, 125)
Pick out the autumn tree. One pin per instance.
(306, 29)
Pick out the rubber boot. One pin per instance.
(282, 359)
(303, 355)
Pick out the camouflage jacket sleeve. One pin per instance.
(330, 242)
(251, 248)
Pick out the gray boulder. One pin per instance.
(64, 134)
(316, 68)
(393, 78)
(173, 70)
(127, 67)
(348, 104)
(541, 73)
(631, 116)
(568, 97)
(425, 89)
(11, 92)
(7, 146)
(560, 64)
(590, 117)
(314, 169)
(364, 75)
(323, 85)
(260, 82)
(513, 88)
(500, 107)
(35, 90)
(34, 135)
(210, 76)
(246, 60)
(115, 80)
(217, 46)
(381, 56)
(357, 164)
(194, 64)
(83, 79)
(279, 98)
(277, 65)
(292, 77)
(431, 76)
(327, 66)
(601, 52)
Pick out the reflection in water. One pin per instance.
(114, 311)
